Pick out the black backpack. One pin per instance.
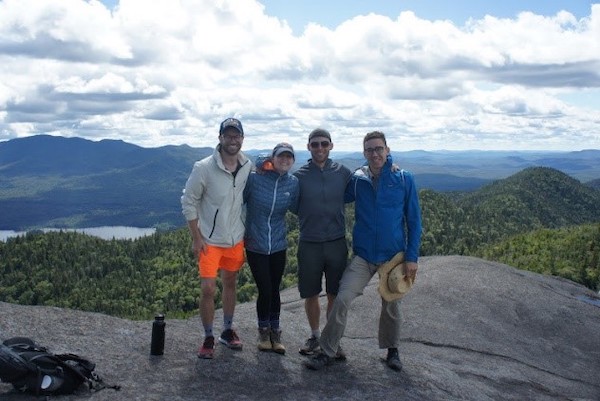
(31, 368)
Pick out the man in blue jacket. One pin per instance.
(387, 221)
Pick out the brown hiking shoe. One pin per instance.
(264, 339)
(276, 342)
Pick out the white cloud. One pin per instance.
(167, 72)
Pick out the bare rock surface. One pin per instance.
(473, 330)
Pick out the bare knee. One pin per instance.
(312, 303)
(229, 279)
(208, 289)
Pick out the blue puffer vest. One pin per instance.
(268, 197)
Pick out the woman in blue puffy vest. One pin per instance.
(270, 192)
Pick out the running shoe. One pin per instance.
(311, 347)
(230, 339)
(207, 349)
(318, 361)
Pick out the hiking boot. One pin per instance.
(276, 342)
(318, 361)
(311, 347)
(207, 350)
(393, 360)
(264, 339)
(230, 339)
(340, 355)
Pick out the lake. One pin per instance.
(106, 232)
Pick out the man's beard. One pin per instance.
(228, 149)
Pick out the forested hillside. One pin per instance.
(594, 184)
(570, 252)
(539, 219)
(119, 277)
(534, 198)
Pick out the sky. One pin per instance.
(431, 75)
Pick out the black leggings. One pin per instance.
(267, 271)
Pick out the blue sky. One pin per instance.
(330, 13)
(432, 75)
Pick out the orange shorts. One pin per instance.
(216, 257)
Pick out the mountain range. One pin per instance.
(50, 181)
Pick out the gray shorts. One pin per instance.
(318, 258)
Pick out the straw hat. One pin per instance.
(393, 283)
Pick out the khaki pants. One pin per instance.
(356, 277)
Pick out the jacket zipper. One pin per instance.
(214, 224)
(271, 214)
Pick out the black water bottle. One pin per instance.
(157, 345)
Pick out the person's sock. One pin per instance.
(208, 330)
(316, 333)
(274, 322)
(263, 324)
(227, 322)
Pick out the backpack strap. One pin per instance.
(93, 381)
(96, 383)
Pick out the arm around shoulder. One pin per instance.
(413, 220)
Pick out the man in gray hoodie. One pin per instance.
(322, 249)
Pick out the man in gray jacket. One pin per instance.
(212, 205)
(322, 249)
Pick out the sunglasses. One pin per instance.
(323, 144)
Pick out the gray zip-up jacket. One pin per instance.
(215, 197)
(320, 206)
